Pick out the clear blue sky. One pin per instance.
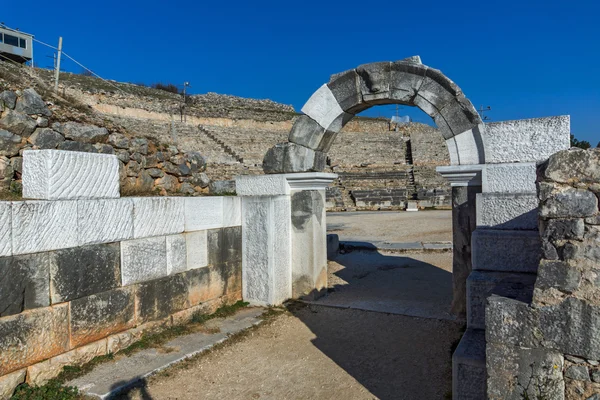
(523, 58)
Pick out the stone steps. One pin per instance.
(468, 367)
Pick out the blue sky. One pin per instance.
(523, 58)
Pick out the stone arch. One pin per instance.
(407, 82)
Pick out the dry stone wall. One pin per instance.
(548, 347)
(87, 273)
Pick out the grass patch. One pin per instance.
(53, 390)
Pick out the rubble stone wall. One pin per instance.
(549, 347)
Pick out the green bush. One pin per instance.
(52, 390)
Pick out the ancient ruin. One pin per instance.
(101, 269)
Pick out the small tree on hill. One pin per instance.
(582, 144)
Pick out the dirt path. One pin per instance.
(321, 353)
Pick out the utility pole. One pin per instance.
(185, 85)
(483, 110)
(57, 71)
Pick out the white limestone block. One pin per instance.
(157, 216)
(197, 249)
(517, 211)
(527, 140)
(266, 250)
(509, 178)
(466, 148)
(176, 254)
(261, 185)
(323, 107)
(104, 220)
(232, 211)
(203, 213)
(143, 260)
(57, 174)
(43, 225)
(5, 228)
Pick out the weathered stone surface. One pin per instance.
(505, 250)
(323, 107)
(156, 172)
(222, 188)
(511, 322)
(166, 182)
(186, 188)
(527, 140)
(85, 270)
(143, 260)
(9, 382)
(97, 316)
(33, 336)
(160, 298)
(43, 225)
(25, 283)
(232, 211)
(197, 249)
(81, 133)
(468, 366)
(563, 229)
(406, 80)
(123, 156)
(518, 373)
(308, 133)
(261, 185)
(176, 254)
(558, 275)
(42, 122)
(70, 145)
(9, 144)
(375, 81)
(8, 99)
(154, 216)
(104, 148)
(5, 228)
(118, 140)
(31, 103)
(569, 202)
(568, 325)
(195, 161)
(266, 253)
(58, 175)
(225, 246)
(139, 145)
(104, 220)
(17, 123)
(345, 88)
(6, 173)
(578, 372)
(573, 165)
(46, 138)
(507, 211)
(200, 179)
(291, 157)
(203, 213)
(509, 178)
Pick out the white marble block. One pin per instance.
(197, 249)
(261, 185)
(60, 175)
(104, 221)
(266, 250)
(203, 213)
(5, 228)
(232, 211)
(143, 260)
(157, 216)
(44, 225)
(323, 107)
(509, 178)
(526, 140)
(509, 211)
(176, 254)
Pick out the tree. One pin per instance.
(582, 144)
(598, 145)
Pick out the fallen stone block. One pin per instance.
(203, 213)
(59, 175)
(505, 250)
(33, 336)
(509, 178)
(43, 225)
(157, 216)
(100, 315)
(527, 140)
(104, 221)
(82, 271)
(25, 283)
(143, 260)
(512, 211)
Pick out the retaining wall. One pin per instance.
(84, 276)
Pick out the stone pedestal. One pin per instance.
(284, 235)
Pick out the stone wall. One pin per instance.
(549, 347)
(84, 276)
